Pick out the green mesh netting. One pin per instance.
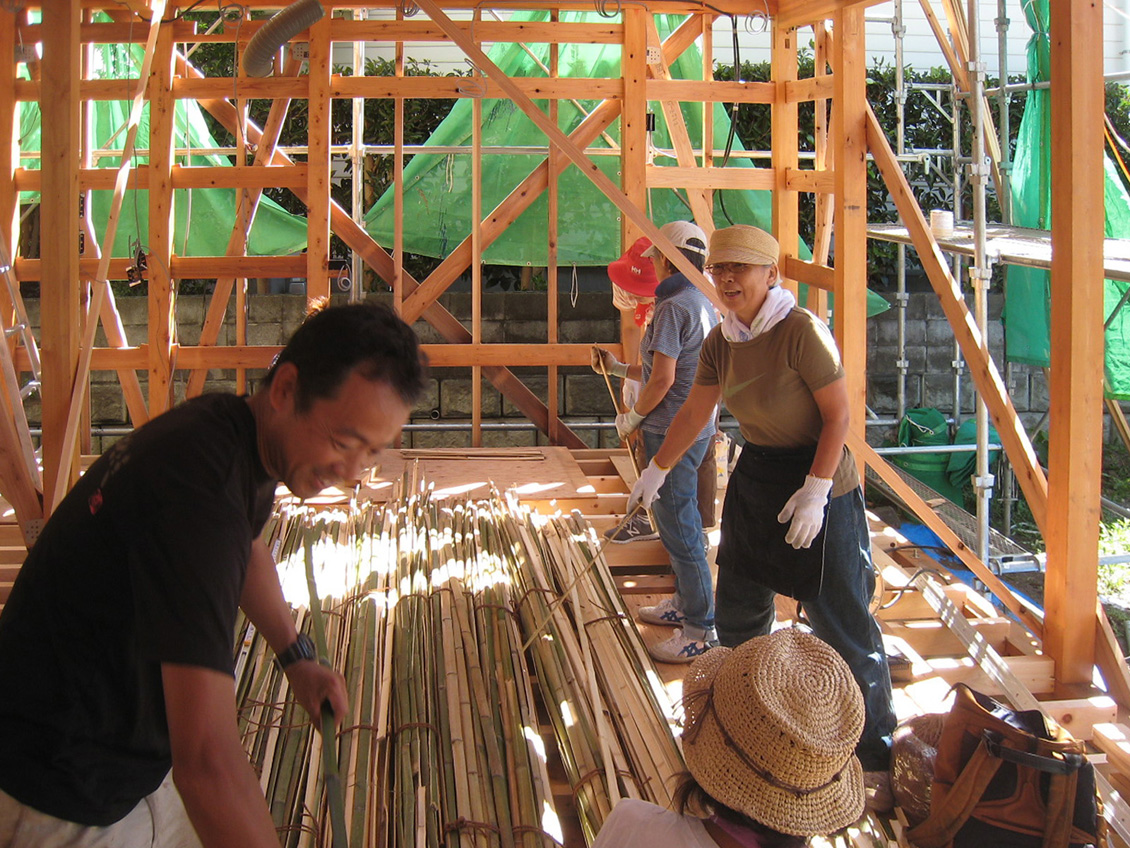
(437, 210)
(203, 216)
(1026, 317)
(437, 207)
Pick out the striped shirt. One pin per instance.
(683, 316)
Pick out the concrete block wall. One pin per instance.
(930, 364)
(521, 317)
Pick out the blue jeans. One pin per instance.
(680, 528)
(840, 616)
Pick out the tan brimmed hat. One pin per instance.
(771, 729)
(683, 234)
(743, 243)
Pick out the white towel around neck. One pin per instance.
(778, 303)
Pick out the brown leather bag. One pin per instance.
(1006, 778)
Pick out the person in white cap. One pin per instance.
(633, 294)
(793, 521)
(682, 317)
(769, 738)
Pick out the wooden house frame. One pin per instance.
(1065, 502)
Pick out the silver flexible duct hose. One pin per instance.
(259, 58)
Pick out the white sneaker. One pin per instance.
(638, 529)
(665, 612)
(680, 649)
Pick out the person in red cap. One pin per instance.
(633, 293)
(670, 349)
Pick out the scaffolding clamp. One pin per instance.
(976, 272)
(978, 170)
(984, 482)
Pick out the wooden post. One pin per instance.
(162, 288)
(633, 116)
(786, 206)
(318, 165)
(59, 227)
(1075, 449)
(849, 126)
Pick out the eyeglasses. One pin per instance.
(722, 268)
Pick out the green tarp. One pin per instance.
(1027, 318)
(204, 217)
(437, 187)
(437, 208)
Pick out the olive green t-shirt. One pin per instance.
(767, 384)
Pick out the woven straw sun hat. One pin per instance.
(771, 729)
(743, 243)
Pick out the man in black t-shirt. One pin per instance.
(116, 644)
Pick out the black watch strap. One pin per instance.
(302, 649)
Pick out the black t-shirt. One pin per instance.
(143, 563)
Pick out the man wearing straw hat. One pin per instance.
(769, 739)
(682, 318)
(116, 654)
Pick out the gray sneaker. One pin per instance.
(680, 649)
(638, 529)
(664, 612)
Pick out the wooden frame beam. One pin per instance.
(1075, 447)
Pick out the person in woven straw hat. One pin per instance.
(793, 520)
(769, 738)
(682, 318)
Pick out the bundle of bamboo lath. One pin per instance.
(454, 623)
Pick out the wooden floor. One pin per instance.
(933, 626)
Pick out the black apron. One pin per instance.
(752, 539)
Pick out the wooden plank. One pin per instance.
(820, 182)
(849, 121)
(677, 176)
(162, 287)
(633, 116)
(820, 87)
(1078, 716)
(707, 91)
(1076, 404)
(974, 347)
(318, 163)
(59, 303)
(1026, 674)
(932, 638)
(784, 123)
(1113, 739)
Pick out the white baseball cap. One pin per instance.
(682, 234)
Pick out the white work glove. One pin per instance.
(647, 487)
(630, 393)
(611, 364)
(806, 509)
(627, 423)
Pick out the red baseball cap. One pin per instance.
(632, 272)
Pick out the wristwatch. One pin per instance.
(302, 649)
